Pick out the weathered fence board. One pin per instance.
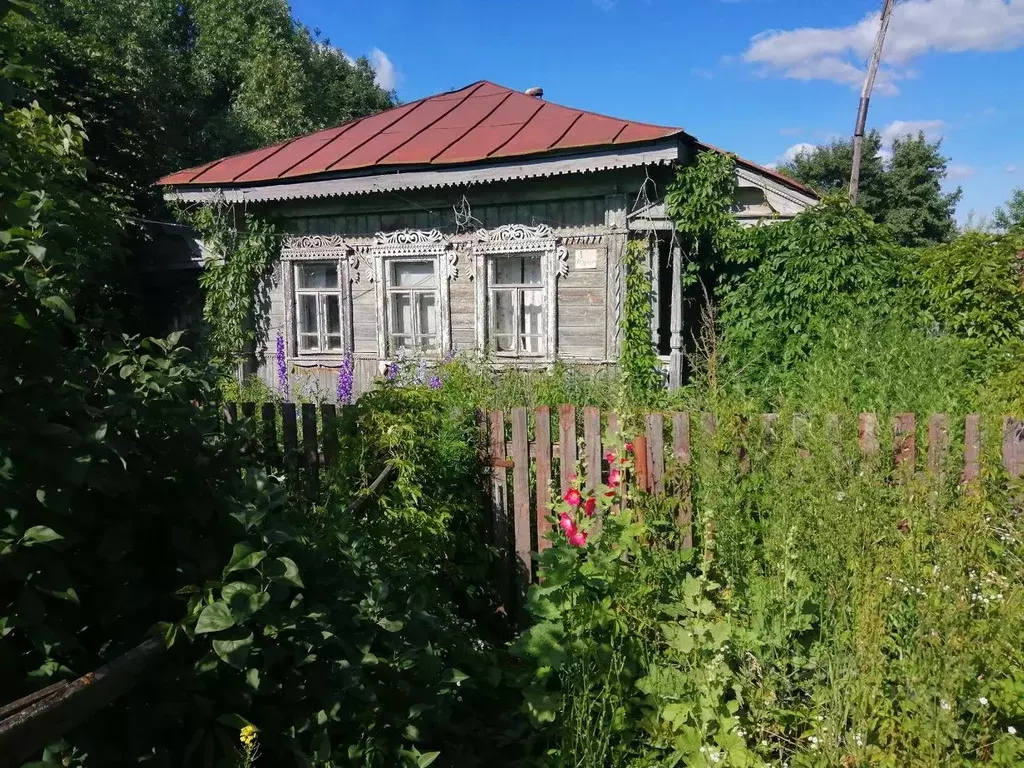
(542, 457)
(592, 441)
(521, 499)
(566, 445)
(310, 450)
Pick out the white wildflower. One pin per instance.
(983, 701)
(944, 704)
(859, 740)
(1011, 730)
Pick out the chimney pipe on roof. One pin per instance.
(536, 92)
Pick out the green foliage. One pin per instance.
(161, 84)
(903, 191)
(638, 362)
(1011, 217)
(700, 201)
(801, 277)
(974, 287)
(242, 249)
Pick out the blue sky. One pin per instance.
(757, 77)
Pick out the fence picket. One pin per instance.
(867, 430)
(938, 442)
(330, 433)
(972, 447)
(310, 450)
(268, 413)
(656, 452)
(904, 428)
(248, 411)
(592, 445)
(230, 412)
(566, 445)
(499, 500)
(640, 456)
(521, 501)
(1013, 446)
(290, 437)
(542, 454)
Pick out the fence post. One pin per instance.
(542, 451)
(566, 445)
(290, 437)
(268, 413)
(230, 412)
(643, 480)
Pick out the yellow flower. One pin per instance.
(247, 735)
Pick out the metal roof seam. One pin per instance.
(566, 131)
(444, 114)
(472, 128)
(518, 130)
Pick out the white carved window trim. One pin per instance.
(517, 240)
(320, 249)
(413, 245)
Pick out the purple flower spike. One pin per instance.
(391, 372)
(345, 375)
(435, 382)
(282, 367)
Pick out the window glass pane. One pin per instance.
(533, 316)
(398, 342)
(503, 313)
(307, 314)
(307, 342)
(334, 342)
(516, 270)
(332, 314)
(401, 313)
(318, 276)
(414, 274)
(427, 314)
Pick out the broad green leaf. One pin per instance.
(285, 570)
(58, 304)
(427, 758)
(233, 647)
(243, 599)
(39, 534)
(243, 557)
(214, 618)
(542, 705)
(252, 678)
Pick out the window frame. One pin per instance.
(392, 290)
(519, 240)
(517, 290)
(320, 295)
(408, 245)
(299, 250)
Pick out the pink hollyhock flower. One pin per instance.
(614, 478)
(566, 523)
(610, 457)
(629, 447)
(578, 538)
(589, 506)
(572, 496)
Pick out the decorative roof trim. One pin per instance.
(660, 153)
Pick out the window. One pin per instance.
(412, 306)
(517, 304)
(318, 307)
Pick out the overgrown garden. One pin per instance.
(831, 610)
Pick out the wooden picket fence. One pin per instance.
(521, 468)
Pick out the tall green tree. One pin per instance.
(1011, 217)
(165, 84)
(903, 190)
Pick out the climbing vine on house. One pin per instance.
(641, 370)
(242, 249)
(699, 201)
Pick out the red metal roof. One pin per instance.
(480, 122)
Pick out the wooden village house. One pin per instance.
(482, 219)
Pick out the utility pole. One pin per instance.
(865, 98)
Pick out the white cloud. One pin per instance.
(918, 27)
(932, 129)
(957, 172)
(385, 74)
(1011, 169)
(791, 154)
